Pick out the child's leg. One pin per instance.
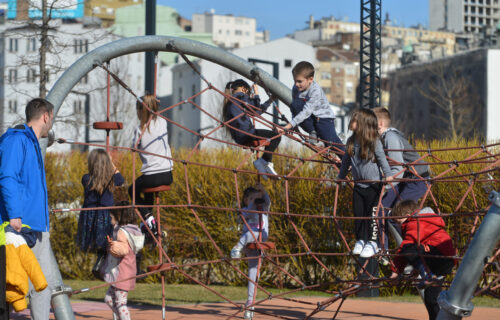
(431, 295)
(360, 226)
(121, 304)
(109, 299)
(252, 273)
(273, 143)
(149, 181)
(326, 131)
(413, 190)
(373, 195)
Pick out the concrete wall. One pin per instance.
(417, 115)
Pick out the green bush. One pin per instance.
(188, 243)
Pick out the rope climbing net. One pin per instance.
(339, 285)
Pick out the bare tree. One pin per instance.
(455, 98)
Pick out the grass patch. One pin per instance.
(191, 294)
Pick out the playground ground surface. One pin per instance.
(352, 309)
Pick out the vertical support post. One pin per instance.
(276, 75)
(87, 121)
(158, 227)
(150, 55)
(456, 302)
(370, 53)
(108, 101)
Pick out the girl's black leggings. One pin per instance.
(149, 181)
(364, 202)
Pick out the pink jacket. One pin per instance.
(120, 248)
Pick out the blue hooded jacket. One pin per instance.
(244, 122)
(23, 188)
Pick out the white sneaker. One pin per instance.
(358, 247)
(261, 166)
(270, 169)
(248, 313)
(236, 252)
(369, 250)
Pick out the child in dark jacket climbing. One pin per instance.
(236, 111)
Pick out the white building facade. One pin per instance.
(469, 16)
(19, 57)
(228, 31)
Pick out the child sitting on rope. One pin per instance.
(365, 156)
(254, 198)
(424, 237)
(310, 108)
(242, 125)
(156, 171)
(120, 265)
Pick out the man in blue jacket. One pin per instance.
(23, 190)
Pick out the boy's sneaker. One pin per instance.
(358, 247)
(248, 313)
(236, 252)
(312, 138)
(261, 166)
(270, 170)
(369, 250)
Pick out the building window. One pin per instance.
(81, 46)
(31, 45)
(288, 63)
(180, 98)
(30, 75)
(77, 107)
(327, 90)
(13, 45)
(85, 80)
(13, 106)
(12, 76)
(238, 32)
(326, 75)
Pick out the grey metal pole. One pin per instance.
(456, 302)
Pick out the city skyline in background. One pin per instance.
(282, 18)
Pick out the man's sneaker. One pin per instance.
(248, 313)
(261, 166)
(236, 252)
(358, 247)
(369, 250)
(270, 170)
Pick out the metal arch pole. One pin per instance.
(167, 44)
(63, 86)
(456, 302)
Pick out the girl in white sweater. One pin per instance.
(156, 169)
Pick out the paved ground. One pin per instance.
(352, 309)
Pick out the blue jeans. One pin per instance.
(324, 127)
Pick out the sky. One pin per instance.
(282, 17)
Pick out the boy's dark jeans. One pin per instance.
(324, 127)
(438, 266)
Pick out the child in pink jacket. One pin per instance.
(120, 265)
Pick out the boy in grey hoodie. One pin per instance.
(393, 139)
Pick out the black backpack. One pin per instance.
(410, 156)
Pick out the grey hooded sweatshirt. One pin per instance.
(365, 169)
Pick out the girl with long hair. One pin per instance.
(156, 169)
(365, 155)
(242, 127)
(95, 225)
